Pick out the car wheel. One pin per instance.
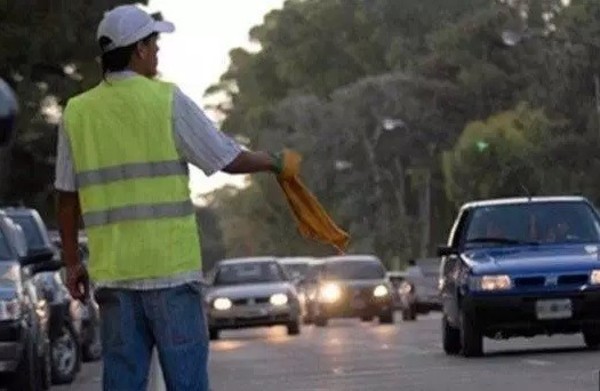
(366, 318)
(45, 363)
(450, 337)
(321, 321)
(293, 328)
(386, 317)
(591, 339)
(213, 334)
(27, 374)
(65, 356)
(471, 339)
(92, 350)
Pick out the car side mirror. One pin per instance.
(51, 265)
(37, 257)
(445, 251)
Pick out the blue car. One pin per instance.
(521, 267)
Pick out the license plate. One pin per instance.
(553, 309)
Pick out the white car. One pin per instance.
(251, 292)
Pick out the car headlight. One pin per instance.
(278, 299)
(380, 291)
(491, 283)
(222, 304)
(595, 277)
(330, 293)
(10, 309)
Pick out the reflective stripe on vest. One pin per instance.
(131, 171)
(138, 212)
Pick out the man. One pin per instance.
(122, 153)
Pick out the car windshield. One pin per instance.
(354, 270)
(533, 223)
(296, 269)
(249, 273)
(35, 241)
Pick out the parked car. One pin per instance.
(65, 312)
(25, 360)
(352, 286)
(89, 313)
(521, 267)
(251, 292)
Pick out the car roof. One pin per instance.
(232, 261)
(352, 258)
(522, 200)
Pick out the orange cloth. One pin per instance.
(312, 220)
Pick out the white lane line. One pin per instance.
(538, 363)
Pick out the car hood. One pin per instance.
(530, 259)
(249, 290)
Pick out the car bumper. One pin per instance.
(515, 315)
(12, 341)
(355, 309)
(253, 316)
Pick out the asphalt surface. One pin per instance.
(350, 355)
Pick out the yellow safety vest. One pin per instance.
(133, 185)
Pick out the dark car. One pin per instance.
(352, 286)
(24, 315)
(65, 312)
(251, 292)
(521, 267)
(89, 313)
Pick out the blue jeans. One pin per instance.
(134, 322)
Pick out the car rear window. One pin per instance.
(35, 241)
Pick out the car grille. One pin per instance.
(526, 282)
(562, 280)
(250, 301)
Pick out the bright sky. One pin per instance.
(196, 55)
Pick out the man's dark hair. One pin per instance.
(118, 59)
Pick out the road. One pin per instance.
(349, 355)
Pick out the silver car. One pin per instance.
(251, 292)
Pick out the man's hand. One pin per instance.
(78, 282)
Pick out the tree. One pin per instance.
(505, 155)
(49, 53)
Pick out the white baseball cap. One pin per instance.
(127, 24)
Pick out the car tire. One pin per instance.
(214, 334)
(92, 350)
(366, 318)
(293, 328)
(471, 339)
(321, 321)
(45, 365)
(386, 317)
(450, 338)
(591, 339)
(66, 356)
(409, 314)
(27, 374)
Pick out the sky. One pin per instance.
(195, 56)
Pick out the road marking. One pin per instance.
(537, 363)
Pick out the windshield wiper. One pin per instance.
(500, 240)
